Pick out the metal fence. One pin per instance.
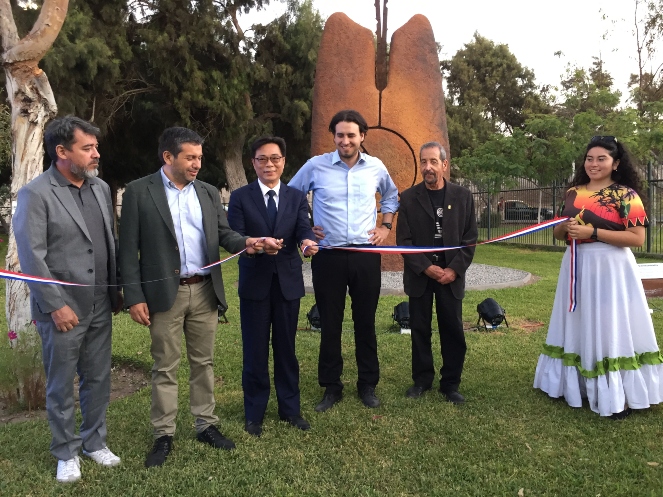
(512, 209)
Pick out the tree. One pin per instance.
(588, 90)
(205, 72)
(32, 105)
(286, 54)
(93, 68)
(647, 85)
(488, 91)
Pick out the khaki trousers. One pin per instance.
(194, 313)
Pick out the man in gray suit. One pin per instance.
(171, 228)
(64, 230)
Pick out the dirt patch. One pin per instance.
(522, 325)
(125, 380)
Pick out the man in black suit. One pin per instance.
(436, 213)
(270, 286)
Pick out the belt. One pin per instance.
(192, 280)
(436, 257)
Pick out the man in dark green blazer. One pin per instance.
(171, 228)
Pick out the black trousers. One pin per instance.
(452, 337)
(257, 317)
(336, 272)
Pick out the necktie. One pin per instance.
(271, 209)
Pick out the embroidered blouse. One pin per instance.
(615, 207)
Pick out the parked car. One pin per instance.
(516, 210)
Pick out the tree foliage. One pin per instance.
(488, 91)
(138, 67)
(286, 55)
(549, 134)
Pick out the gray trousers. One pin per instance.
(85, 349)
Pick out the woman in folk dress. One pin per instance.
(605, 350)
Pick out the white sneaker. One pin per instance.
(103, 456)
(69, 471)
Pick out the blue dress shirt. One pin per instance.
(344, 197)
(188, 222)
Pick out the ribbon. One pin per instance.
(377, 249)
(11, 275)
(573, 297)
(422, 250)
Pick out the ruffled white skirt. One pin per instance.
(604, 351)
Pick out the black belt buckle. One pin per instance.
(435, 258)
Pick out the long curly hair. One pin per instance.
(626, 174)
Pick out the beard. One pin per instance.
(430, 178)
(83, 172)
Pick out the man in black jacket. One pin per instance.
(436, 213)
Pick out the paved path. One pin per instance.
(478, 277)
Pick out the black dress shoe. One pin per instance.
(160, 450)
(253, 428)
(453, 396)
(368, 397)
(328, 401)
(297, 422)
(212, 436)
(416, 391)
(621, 415)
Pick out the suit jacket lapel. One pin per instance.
(63, 193)
(156, 189)
(284, 195)
(259, 200)
(450, 200)
(424, 200)
(99, 195)
(210, 221)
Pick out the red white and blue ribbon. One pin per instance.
(421, 250)
(573, 297)
(376, 249)
(11, 275)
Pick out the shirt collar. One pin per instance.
(264, 189)
(169, 184)
(336, 158)
(62, 181)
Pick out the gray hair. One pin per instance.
(443, 153)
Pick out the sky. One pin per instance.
(534, 31)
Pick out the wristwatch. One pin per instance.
(595, 235)
(387, 225)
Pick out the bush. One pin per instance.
(495, 219)
(22, 381)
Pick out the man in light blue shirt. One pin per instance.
(344, 183)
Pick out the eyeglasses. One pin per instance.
(599, 138)
(274, 159)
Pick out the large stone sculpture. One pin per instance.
(404, 108)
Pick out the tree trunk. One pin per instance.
(235, 175)
(32, 104)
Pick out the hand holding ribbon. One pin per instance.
(269, 245)
(309, 248)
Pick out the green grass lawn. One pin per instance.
(507, 437)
